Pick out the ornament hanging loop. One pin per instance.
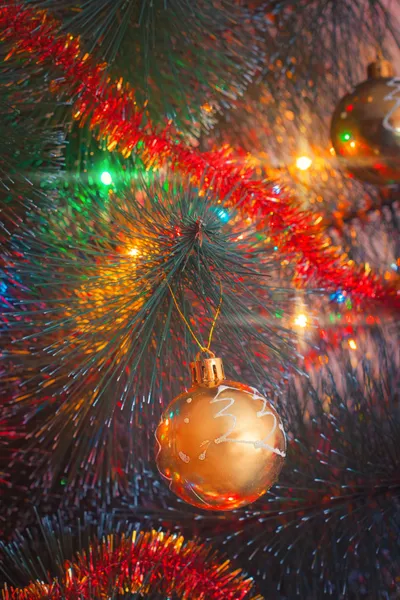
(206, 372)
(194, 336)
(207, 350)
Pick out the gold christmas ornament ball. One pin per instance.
(365, 127)
(220, 445)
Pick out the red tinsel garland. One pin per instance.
(143, 564)
(110, 108)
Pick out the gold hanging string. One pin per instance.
(184, 319)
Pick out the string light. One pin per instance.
(25, 30)
(301, 320)
(303, 163)
(345, 136)
(353, 344)
(338, 297)
(223, 215)
(106, 178)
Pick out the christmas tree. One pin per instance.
(199, 297)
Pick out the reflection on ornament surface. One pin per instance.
(221, 446)
(365, 128)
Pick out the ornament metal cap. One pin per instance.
(207, 372)
(380, 69)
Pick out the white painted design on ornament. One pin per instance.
(262, 413)
(395, 83)
(186, 420)
(223, 413)
(202, 456)
(184, 457)
(256, 393)
(189, 400)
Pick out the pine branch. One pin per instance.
(177, 56)
(329, 528)
(98, 348)
(32, 137)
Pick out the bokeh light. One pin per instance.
(106, 178)
(303, 163)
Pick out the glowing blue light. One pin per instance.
(338, 297)
(394, 266)
(277, 189)
(223, 215)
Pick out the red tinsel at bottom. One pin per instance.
(146, 564)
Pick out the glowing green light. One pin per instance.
(346, 136)
(106, 178)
